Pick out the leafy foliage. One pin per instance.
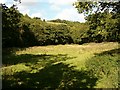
(103, 27)
(99, 6)
(77, 30)
(25, 31)
(103, 19)
(10, 33)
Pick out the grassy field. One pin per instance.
(93, 65)
(56, 23)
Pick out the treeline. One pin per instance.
(20, 30)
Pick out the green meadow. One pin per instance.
(90, 65)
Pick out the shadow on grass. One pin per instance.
(33, 59)
(57, 76)
(110, 52)
(9, 56)
(53, 74)
(12, 50)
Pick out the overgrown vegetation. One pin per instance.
(106, 66)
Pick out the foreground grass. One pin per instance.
(62, 66)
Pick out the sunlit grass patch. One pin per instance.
(60, 66)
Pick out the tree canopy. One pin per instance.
(103, 18)
(100, 6)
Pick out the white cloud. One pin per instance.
(29, 2)
(55, 7)
(2, 1)
(8, 3)
(24, 9)
(70, 14)
(24, 6)
(57, 2)
(36, 15)
(61, 2)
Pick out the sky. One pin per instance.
(48, 9)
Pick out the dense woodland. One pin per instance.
(20, 30)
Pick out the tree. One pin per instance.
(103, 19)
(10, 24)
(88, 7)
